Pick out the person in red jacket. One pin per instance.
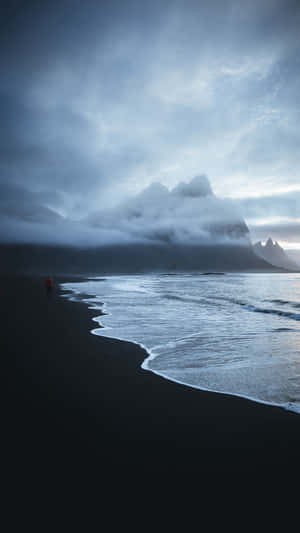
(49, 285)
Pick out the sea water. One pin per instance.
(235, 333)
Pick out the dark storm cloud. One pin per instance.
(18, 203)
(189, 214)
(53, 52)
(99, 99)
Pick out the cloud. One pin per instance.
(288, 232)
(98, 102)
(18, 203)
(285, 204)
(189, 214)
(276, 215)
(197, 188)
(60, 232)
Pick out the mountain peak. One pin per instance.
(269, 243)
(199, 186)
(274, 254)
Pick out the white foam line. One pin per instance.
(151, 356)
(285, 406)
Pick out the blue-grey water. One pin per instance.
(233, 333)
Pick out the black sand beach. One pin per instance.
(79, 403)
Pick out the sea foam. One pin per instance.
(208, 332)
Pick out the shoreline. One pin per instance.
(80, 297)
(79, 399)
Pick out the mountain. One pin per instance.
(129, 258)
(275, 255)
(294, 255)
(187, 228)
(188, 214)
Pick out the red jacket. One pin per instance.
(49, 283)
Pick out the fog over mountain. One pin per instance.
(185, 228)
(190, 213)
(100, 99)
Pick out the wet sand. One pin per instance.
(80, 405)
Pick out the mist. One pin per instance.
(99, 102)
(188, 214)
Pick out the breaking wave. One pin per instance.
(228, 333)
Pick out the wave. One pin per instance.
(185, 298)
(285, 302)
(278, 312)
(266, 311)
(228, 358)
(278, 330)
(245, 305)
(212, 274)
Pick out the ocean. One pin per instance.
(234, 333)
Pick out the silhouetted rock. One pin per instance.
(275, 254)
(53, 260)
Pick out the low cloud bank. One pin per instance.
(189, 214)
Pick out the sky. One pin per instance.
(101, 99)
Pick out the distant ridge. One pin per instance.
(186, 229)
(275, 255)
(54, 260)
